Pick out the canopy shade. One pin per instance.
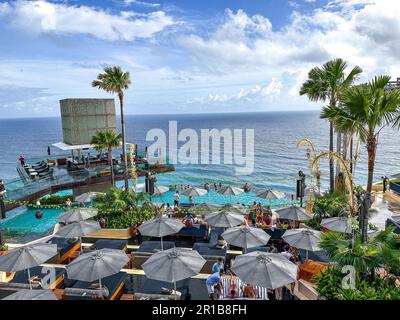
(246, 237)
(68, 147)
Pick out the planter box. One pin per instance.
(395, 186)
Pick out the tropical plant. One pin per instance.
(330, 205)
(325, 84)
(114, 80)
(367, 109)
(122, 208)
(108, 139)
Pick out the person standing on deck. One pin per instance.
(217, 266)
(21, 160)
(176, 199)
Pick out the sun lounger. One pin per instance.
(211, 253)
(114, 284)
(317, 256)
(262, 293)
(66, 248)
(111, 244)
(155, 246)
(39, 275)
(201, 231)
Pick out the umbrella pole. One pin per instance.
(80, 241)
(175, 295)
(162, 246)
(306, 254)
(29, 279)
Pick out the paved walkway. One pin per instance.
(386, 204)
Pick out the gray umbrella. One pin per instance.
(25, 294)
(159, 190)
(234, 208)
(270, 194)
(194, 192)
(173, 265)
(26, 257)
(293, 213)
(87, 197)
(246, 237)
(207, 207)
(338, 224)
(225, 219)
(96, 265)
(269, 270)
(77, 215)
(160, 227)
(78, 229)
(303, 238)
(230, 191)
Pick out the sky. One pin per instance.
(187, 56)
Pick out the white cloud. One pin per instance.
(46, 17)
(256, 94)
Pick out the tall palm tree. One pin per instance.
(367, 109)
(114, 80)
(325, 84)
(107, 139)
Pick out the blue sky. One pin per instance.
(187, 56)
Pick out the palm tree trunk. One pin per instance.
(371, 147)
(331, 165)
(111, 165)
(351, 155)
(121, 104)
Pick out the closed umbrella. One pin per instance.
(87, 197)
(26, 257)
(173, 265)
(77, 215)
(224, 219)
(303, 238)
(269, 270)
(78, 230)
(246, 237)
(338, 224)
(270, 194)
(96, 265)
(160, 227)
(25, 294)
(293, 213)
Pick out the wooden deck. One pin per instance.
(121, 234)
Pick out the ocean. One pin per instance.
(276, 158)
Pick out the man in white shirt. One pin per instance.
(176, 199)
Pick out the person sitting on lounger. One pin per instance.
(188, 220)
(249, 291)
(246, 187)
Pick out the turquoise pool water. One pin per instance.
(23, 220)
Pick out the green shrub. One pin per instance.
(331, 205)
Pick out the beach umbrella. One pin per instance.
(230, 191)
(78, 230)
(194, 192)
(270, 194)
(96, 265)
(303, 238)
(26, 257)
(25, 294)
(293, 213)
(234, 208)
(269, 270)
(224, 219)
(78, 214)
(246, 237)
(173, 265)
(87, 197)
(207, 207)
(159, 190)
(160, 227)
(338, 224)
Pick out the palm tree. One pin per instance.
(367, 109)
(114, 80)
(324, 84)
(107, 139)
